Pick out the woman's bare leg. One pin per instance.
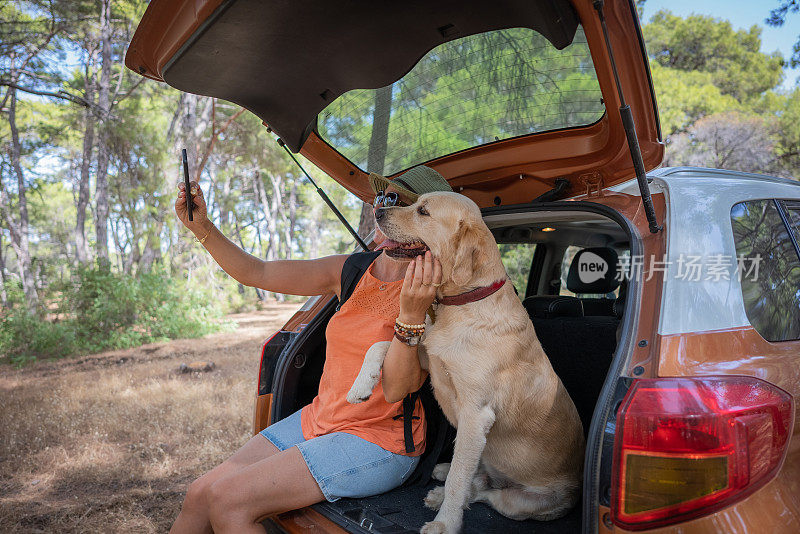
(193, 517)
(278, 483)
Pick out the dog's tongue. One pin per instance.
(387, 243)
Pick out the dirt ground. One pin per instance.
(109, 442)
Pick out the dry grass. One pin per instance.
(108, 443)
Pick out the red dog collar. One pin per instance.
(471, 296)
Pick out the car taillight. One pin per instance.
(686, 447)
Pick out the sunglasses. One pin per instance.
(387, 199)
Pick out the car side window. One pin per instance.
(769, 269)
(793, 216)
(517, 259)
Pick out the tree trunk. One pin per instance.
(376, 156)
(271, 209)
(275, 207)
(104, 91)
(260, 293)
(224, 214)
(152, 248)
(292, 219)
(314, 228)
(19, 238)
(81, 245)
(3, 279)
(378, 141)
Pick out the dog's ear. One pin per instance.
(469, 253)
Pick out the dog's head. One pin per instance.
(450, 225)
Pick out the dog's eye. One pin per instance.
(422, 211)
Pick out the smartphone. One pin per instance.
(189, 203)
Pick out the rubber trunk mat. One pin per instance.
(401, 511)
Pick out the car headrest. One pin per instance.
(593, 270)
(549, 306)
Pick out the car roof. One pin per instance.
(708, 175)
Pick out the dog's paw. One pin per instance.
(434, 498)
(360, 391)
(440, 472)
(355, 397)
(433, 527)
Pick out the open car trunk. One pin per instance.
(581, 347)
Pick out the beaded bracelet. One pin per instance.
(409, 326)
(403, 332)
(404, 329)
(408, 330)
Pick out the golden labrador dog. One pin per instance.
(519, 443)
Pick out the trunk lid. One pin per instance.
(503, 98)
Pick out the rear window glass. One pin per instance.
(517, 259)
(771, 291)
(468, 92)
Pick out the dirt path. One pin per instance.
(108, 442)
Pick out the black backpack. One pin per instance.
(438, 428)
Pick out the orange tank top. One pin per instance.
(365, 318)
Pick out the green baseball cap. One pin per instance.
(412, 183)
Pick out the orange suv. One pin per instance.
(666, 300)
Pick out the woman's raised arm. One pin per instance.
(292, 277)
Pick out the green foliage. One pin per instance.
(717, 96)
(517, 259)
(778, 16)
(699, 43)
(684, 97)
(101, 309)
(494, 85)
(24, 337)
(787, 149)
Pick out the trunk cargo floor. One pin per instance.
(401, 511)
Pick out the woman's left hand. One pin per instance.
(423, 276)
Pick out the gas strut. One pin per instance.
(325, 198)
(630, 131)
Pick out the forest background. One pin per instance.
(91, 253)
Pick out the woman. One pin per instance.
(329, 449)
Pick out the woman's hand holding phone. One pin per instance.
(199, 221)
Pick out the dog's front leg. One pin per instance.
(369, 374)
(473, 426)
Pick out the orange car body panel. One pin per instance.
(261, 412)
(305, 521)
(775, 508)
(164, 27)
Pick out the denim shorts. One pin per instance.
(343, 465)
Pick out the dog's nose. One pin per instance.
(380, 213)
